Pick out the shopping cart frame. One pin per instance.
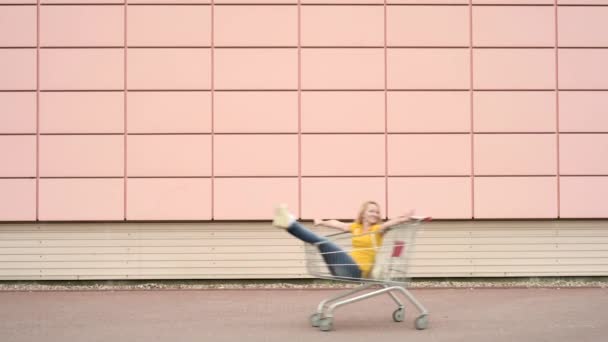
(392, 281)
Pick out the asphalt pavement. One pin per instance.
(496, 315)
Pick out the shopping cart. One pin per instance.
(389, 273)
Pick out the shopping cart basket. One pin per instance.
(389, 273)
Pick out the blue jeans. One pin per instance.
(340, 263)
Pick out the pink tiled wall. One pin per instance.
(202, 110)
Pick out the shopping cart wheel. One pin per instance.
(315, 319)
(398, 315)
(422, 322)
(326, 324)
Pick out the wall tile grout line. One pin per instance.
(125, 121)
(305, 4)
(311, 47)
(212, 80)
(556, 27)
(295, 176)
(313, 133)
(386, 188)
(37, 204)
(299, 32)
(303, 90)
(472, 113)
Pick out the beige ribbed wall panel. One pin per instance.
(255, 250)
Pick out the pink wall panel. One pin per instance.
(169, 112)
(441, 2)
(81, 199)
(342, 25)
(253, 198)
(583, 197)
(514, 69)
(582, 2)
(81, 156)
(583, 111)
(583, 26)
(82, 1)
(169, 26)
(181, 69)
(256, 155)
(82, 112)
(17, 156)
(256, 69)
(428, 68)
(17, 112)
(17, 199)
(340, 198)
(18, 26)
(438, 197)
(343, 155)
(427, 26)
(252, 1)
(514, 2)
(177, 2)
(257, 25)
(256, 111)
(583, 154)
(347, 2)
(342, 69)
(342, 111)
(515, 154)
(427, 111)
(18, 69)
(429, 154)
(510, 111)
(18, 2)
(515, 197)
(82, 25)
(169, 199)
(169, 155)
(583, 69)
(75, 69)
(495, 26)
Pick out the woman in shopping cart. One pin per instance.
(367, 231)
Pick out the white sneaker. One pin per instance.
(282, 217)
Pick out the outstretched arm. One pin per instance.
(396, 221)
(335, 224)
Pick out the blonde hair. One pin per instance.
(362, 210)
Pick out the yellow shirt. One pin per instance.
(365, 246)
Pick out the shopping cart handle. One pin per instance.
(421, 218)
